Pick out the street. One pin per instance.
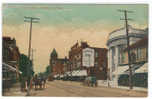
(76, 89)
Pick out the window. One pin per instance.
(96, 64)
(113, 58)
(121, 54)
(96, 54)
(53, 62)
(138, 54)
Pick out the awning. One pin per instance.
(138, 68)
(57, 75)
(79, 73)
(142, 69)
(61, 76)
(121, 70)
(10, 68)
(67, 74)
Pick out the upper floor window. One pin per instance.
(121, 54)
(139, 54)
(96, 54)
(96, 64)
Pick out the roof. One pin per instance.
(62, 59)
(54, 53)
(7, 38)
(121, 33)
(98, 48)
(141, 43)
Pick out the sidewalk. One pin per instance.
(134, 88)
(16, 91)
(105, 84)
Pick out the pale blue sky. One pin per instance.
(78, 14)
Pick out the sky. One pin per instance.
(61, 25)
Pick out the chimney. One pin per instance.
(84, 45)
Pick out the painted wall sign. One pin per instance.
(88, 57)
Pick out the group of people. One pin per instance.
(37, 81)
(90, 81)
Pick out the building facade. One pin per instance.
(138, 50)
(83, 57)
(10, 53)
(139, 63)
(10, 59)
(116, 44)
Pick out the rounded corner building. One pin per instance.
(116, 44)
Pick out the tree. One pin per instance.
(25, 66)
(48, 70)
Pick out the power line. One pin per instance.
(128, 45)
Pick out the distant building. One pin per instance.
(58, 65)
(93, 60)
(116, 44)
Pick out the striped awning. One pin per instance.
(9, 67)
(79, 73)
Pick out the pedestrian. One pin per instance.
(93, 81)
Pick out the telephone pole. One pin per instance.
(128, 46)
(30, 20)
(32, 55)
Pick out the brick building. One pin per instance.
(75, 56)
(95, 63)
(10, 52)
(100, 63)
(10, 59)
(58, 65)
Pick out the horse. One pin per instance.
(36, 81)
(90, 80)
(39, 82)
(43, 80)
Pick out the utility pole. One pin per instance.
(32, 54)
(128, 46)
(30, 20)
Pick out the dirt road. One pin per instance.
(76, 89)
